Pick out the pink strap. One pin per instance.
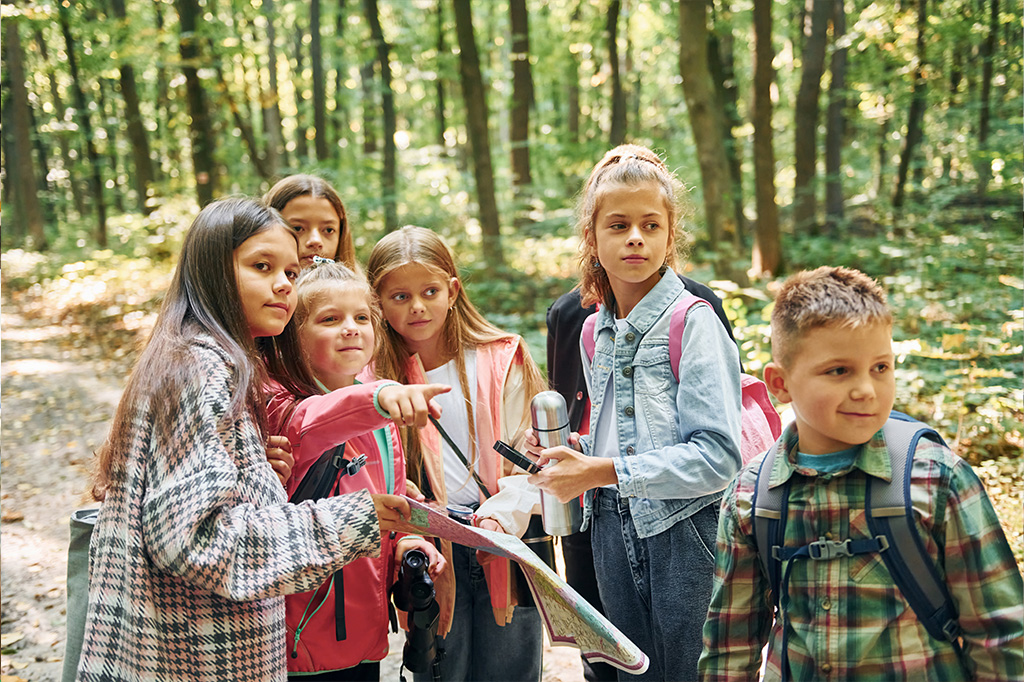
(588, 335)
(676, 326)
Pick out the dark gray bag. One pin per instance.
(82, 523)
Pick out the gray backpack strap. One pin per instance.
(769, 513)
(890, 513)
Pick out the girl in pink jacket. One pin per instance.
(339, 631)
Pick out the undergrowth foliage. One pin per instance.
(952, 276)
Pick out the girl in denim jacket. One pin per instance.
(660, 450)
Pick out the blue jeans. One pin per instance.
(476, 647)
(656, 590)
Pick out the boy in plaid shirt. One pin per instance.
(845, 618)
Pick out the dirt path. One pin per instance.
(58, 391)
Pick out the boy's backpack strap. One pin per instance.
(769, 507)
(890, 513)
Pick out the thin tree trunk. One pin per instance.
(573, 75)
(988, 50)
(474, 95)
(835, 122)
(767, 257)
(319, 83)
(706, 123)
(722, 66)
(301, 143)
(244, 126)
(60, 112)
(522, 102)
(805, 201)
(369, 108)
(271, 101)
(19, 159)
(341, 112)
(109, 114)
(82, 114)
(617, 134)
(201, 126)
(442, 51)
(169, 144)
(136, 130)
(917, 104)
(388, 177)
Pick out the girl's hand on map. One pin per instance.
(482, 557)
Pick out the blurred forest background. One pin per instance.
(881, 135)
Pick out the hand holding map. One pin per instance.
(569, 619)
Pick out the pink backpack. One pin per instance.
(760, 425)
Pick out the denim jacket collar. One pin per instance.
(654, 304)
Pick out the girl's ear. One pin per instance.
(777, 381)
(454, 286)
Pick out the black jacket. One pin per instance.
(565, 367)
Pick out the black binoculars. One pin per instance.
(414, 594)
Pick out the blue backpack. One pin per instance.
(890, 519)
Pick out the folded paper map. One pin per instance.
(570, 620)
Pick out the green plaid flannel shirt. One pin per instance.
(847, 619)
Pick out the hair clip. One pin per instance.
(320, 260)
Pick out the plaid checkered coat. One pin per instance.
(196, 545)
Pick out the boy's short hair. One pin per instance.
(825, 297)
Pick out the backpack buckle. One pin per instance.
(952, 630)
(828, 549)
(357, 463)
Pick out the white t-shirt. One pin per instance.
(458, 482)
(606, 434)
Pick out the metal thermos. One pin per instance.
(551, 424)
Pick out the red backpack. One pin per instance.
(760, 425)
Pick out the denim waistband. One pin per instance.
(607, 498)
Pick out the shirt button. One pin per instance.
(627, 371)
(630, 336)
(630, 450)
(629, 411)
(826, 668)
(827, 604)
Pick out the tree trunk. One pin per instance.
(169, 145)
(722, 66)
(706, 122)
(474, 96)
(136, 130)
(369, 108)
(572, 63)
(82, 114)
(519, 116)
(109, 114)
(201, 126)
(19, 159)
(917, 104)
(767, 258)
(60, 113)
(835, 123)
(388, 177)
(319, 83)
(271, 102)
(244, 125)
(341, 112)
(805, 202)
(617, 135)
(301, 143)
(442, 51)
(988, 50)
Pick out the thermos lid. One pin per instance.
(549, 412)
